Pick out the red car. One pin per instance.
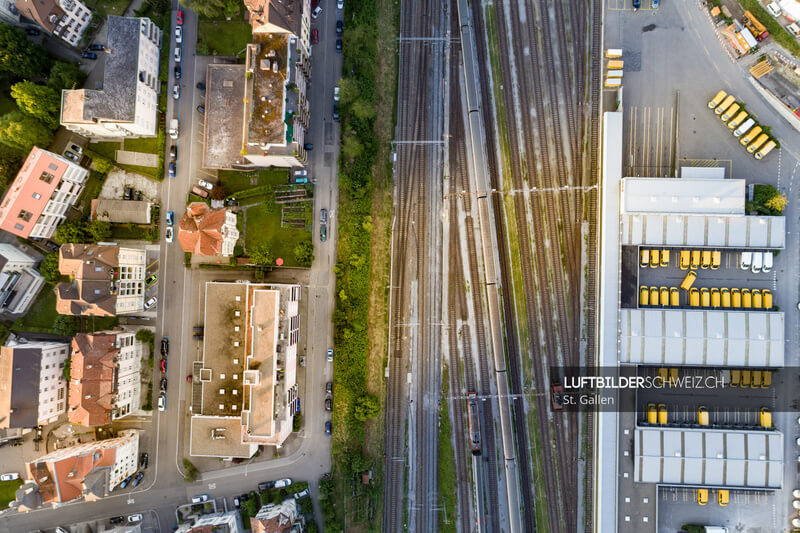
(180, 17)
(314, 36)
(163, 365)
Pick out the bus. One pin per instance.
(613, 53)
(615, 64)
(474, 423)
(729, 100)
(764, 150)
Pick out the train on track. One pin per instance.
(474, 423)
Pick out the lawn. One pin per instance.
(262, 227)
(134, 232)
(223, 38)
(147, 145)
(106, 149)
(108, 7)
(42, 313)
(238, 181)
(7, 490)
(91, 191)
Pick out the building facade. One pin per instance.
(228, 522)
(127, 105)
(37, 201)
(33, 390)
(206, 231)
(273, 518)
(90, 470)
(20, 283)
(65, 19)
(105, 280)
(105, 377)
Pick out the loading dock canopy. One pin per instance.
(674, 337)
(685, 196)
(709, 457)
(713, 231)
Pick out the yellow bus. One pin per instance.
(702, 494)
(736, 298)
(735, 377)
(664, 297)
(747, 299)
(717, 99)
(705, 297)
(729, 100)
(695, 262)
(715, 298)
(615, 64)
(644, 295)
(749, 136)
(613, 82)
(765, 418)
(644, 258)
(767, 298)
(674, 297)
(662, 413)
(757, 299)
(706, 262)
(653, 295)
(728, 114)
(688, 281)
(745, 379)
(702, 416)
(664, 258)
(716, 259)
(766, 379)
(755, 379)
(652, 418)
(726, 297)
(755, 145)
(613, 53)
(694, 297)
(764, 150)
(723, 497)
(684, 260)
(738, 119)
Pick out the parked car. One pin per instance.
(127, 193)
(177, 54)
(206, 185)
(125, 482)
(314, 36)
(162, 365)
(281, 483)
(308, 146)
(97, 47)
(33, 31)
(164, 384)
(137, 479)
(266, 485)
(315, 13)
(143, 460)
(330, 355)
(201, 86)
(323, 216)
(328, 427)
(162, 402)
(339, 27)
(323, 233)
(75, 148)
(170, 218)
(339, 46)
(173, 152)
(329, 387)
(177, 72)
(339, 4)
(72, 157)
(88, 55)
(328, 404)
(165, 346)
(137, 195)
(336, 94)
(134, 518)
(151, 302)
(237, 502)
(10, 476)
(176, 91)
(200, 498)
(302, 494)
(201, 109)
(169, 234)
(173, 169)
(179, 17)
(178, 34)
(336, 111)
(302, 172)
(151, 279)
(114, 520)
(774, 8)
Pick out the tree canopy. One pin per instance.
(49, 268)
(10, 162)
(212, 9)
(260, 254)
(19, 55)
(81, 231)
(65, 76)
(39, 101)
(66, 325)
(22, 131)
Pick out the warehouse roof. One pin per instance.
(709, 457)
(687, 196)
(705, 338)
(719, 231)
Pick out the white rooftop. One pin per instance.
(709, 457)
(685, 196)
(702, 337)
(715, 231)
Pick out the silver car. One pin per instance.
(176, 91)
(177, 54)
(151, 302)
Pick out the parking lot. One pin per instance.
(747, 511)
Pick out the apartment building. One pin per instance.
(244, 390)
(90, 470)
(65, 19)
(221, 522)
(105, 280)
(105, 377)
(37, 201)
(127, 105)
(33, 390)
(280, 518)
(20, 283)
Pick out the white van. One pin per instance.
(747, 258)
(767, 267)
(794, 29)
(746, 125)
(758, 261)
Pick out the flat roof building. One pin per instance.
(38, 199)
(20, 283)
(121, 211)
(245, 388)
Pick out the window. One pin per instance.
(36, 196)
(52, 166)
(19, 226)
(47, 177)
(24, 215)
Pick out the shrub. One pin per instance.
(297, 422)
(191, 474)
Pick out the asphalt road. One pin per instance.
(164, 489)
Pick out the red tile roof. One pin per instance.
(91, 386)
(200, 229)
(62, 480)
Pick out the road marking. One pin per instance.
(212, 486)
(131, 501)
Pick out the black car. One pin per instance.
(164, 384)
(339, 27)
(128, 193)
(202, 86)
(266, 485)
(97, 47)
(32, 31)
(338, 46)
(237, 502)
(173, 152)
(329, 387)
(308, 146)
(88, 55)
(328, 427)
(201, 109)
(137, 195)
(117, 520)
(328, 404)
(637, 4)
(177, 72)
(336, 111)
(143, 460)
(137, 479)
(164, 346)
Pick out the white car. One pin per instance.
(169, 234)
(774, 8)
(281, 483)
(134, 518)
(177, 54)
(336, 94)
(339, 4)
(176, 91)
(206, 185)
(162, 402)
(151, 302)
(11, 476)
(178, 34)
(316, 12)
(301, 173)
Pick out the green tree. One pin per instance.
(351, 147)
(65, 76)
(66, 325)
(145, 336)
(777, 203)
(49, 268)
(98, 230)
(160, 6)
(20, 56)
(67, 368)
(10, 162)
(260, 254)
(348, 90)
(304, 253)
(70, 231)
(367, 406)
(39, 101)
(22, 131)
(252, 504)
(363, 109)
(207, 8)
(102, 165)
(191, 474)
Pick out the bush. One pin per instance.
(191, 474)
(66, 325)
(49, 268)
(297, 422)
